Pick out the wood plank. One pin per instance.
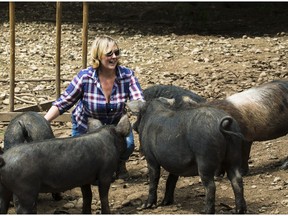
(36, 80)
(44, 107)
(6, 117)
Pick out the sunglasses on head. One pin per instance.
(116, 52)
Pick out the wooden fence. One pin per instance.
(7, 116)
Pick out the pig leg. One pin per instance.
(87, 199)
(26, 204)
(154, 176)
(5, 197)
(210, 190)
(17, 205)
(170, 188)
(207, 166)
(245, 157)
(104, 185)
(237, 184)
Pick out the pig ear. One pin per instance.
(123, 127)
(189, 100)
(135, 106)
(93, 124)
(167, 101)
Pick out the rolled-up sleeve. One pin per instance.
(136, 92)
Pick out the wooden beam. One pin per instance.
(12, 55)
(58, 46)
(36, 80)
(6, 117)
(85, 34)
(42, 107)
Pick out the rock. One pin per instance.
(3, 96)
(69, 205)
(6, 101)
(284, 202)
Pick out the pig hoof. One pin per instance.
(241, 212)
(57, 196)
(147, 206)
(166, 202)
(284, 166)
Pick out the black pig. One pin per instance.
(61, 164)
(189, 142)
(27, 127)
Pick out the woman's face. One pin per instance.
(109, 59)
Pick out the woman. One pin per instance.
(101, 91)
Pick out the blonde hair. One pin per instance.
(99, 47)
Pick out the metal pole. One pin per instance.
(58, 46)
(85, 34)
(12, 54)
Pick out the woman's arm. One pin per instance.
(52, 113)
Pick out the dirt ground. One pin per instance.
(213, 49)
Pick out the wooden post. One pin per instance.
(12, 55)
(85, 34)
(58, 46)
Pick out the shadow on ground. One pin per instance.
(233, 19)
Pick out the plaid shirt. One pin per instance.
(85, 89)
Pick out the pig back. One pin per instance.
(27, 127)
(170, 91)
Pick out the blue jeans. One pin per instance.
(129, 142)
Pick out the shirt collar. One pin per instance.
(119, 76)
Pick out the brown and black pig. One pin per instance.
(260, 111)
